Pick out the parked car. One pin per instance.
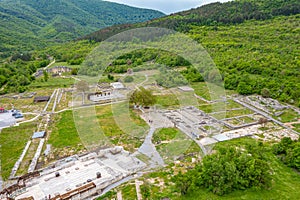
(15, 112)
(18, 115)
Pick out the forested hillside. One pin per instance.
(214, 14)
(255, 44)
(255, 55)
(27, 24)
(259, 57)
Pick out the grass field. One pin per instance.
(165, 134)
(220, 106)
(23, 168)
(247, 119)
(26, 105)
(202, 90)
(289, 116)
(13, 141)
(215, 107)
(64, 101)
(122, 126)
(129, 192)
(209, 91)
(172, 143)
(167, 101)
(53, 82)
(64, 135)
(232, 113)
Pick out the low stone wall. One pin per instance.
(36, 156)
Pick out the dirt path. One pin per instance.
(49, 64)
(290, 124)
(45, 68)
(138, 189)
(119, 195)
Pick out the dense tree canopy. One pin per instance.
(254, 44)
(261, 60)
(289, 152)
(31, 24)
(142, 97)
(214, 14)
(229, 169)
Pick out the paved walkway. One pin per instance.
(1, 183)
(148, 148)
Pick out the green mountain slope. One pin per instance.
(254, 55)
(255, 44)
(233, 12)
(32, 23)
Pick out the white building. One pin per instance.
(117, 86)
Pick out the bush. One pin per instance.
(289, 152)
(128, 79)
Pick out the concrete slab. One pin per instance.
(7, 120)
(40, 134)
(221, 137)
(74, 172)
(208, 141)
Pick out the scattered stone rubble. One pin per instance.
(267, 105)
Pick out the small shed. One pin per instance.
(40, 134)
(41, 99)
(117, 86)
